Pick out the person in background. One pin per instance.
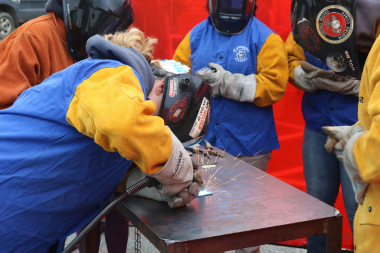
(77, 135)
(321, 106)
(51, 43)
(332, 100)
(251, 75)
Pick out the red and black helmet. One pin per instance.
(185, 106)
(85, 18)
(231, 16)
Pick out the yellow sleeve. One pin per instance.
(366, 148)
(296, 54)
(272, 72)
(183, 52)
(109, 107)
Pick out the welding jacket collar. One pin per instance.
(99, 48)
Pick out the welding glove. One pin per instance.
(179, 185)
(182, 198)
(341, 140)
(310, 78)
(233, 86)
(341, 85)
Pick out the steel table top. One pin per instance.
(248, 207)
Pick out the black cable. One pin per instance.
(146, 182)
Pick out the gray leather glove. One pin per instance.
(341, 140)
(310, 78)
(233, 86)
(343, 85)
(179, 184)
(182, 198)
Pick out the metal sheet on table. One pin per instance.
(254, 200)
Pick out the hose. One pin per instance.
(146, 182)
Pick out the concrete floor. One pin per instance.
(147, 247)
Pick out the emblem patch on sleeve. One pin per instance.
(335, 24)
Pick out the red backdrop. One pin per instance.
(170, 20)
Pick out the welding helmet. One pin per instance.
(231, 16)
(185, 106)
(85, 18)
(338, 32)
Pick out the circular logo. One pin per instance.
(241, 53)
(336, 62)
(335, 24)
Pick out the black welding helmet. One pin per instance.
(326, 29)
(85, 18)
(185, 106)
(231, 16)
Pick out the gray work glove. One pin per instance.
(341, 140)
(179, 184)
(182, 198)
(233, 86)
(310, 78)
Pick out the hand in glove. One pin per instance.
(310, 79)
(182, 198)
(179, 184)
(341, 85)
(341, 139)
(233, 86)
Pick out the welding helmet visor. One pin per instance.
(326, 30)
(231, 16)
(185, 106)
(85, 18)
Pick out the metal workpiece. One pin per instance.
(248, 208)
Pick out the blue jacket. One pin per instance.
(327, 108)
(65, 146)
(238, 128)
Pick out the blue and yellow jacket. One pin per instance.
(66, 144)
(241, 128)
(322, 107)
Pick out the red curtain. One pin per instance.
(170, 20)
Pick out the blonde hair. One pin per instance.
(134, 38)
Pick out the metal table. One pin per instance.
(248, 208)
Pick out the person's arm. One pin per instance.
(296, 54)
(183, 52)
(109, 107)
(272, 72)
(365, 148)
(24, 62)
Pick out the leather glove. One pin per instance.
(306, 74)
(182, 198)
(341, 85)
(176, 178)
(233, 86)
(310, 78)
(341, 139)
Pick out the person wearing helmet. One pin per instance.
(345, 38)
(328, 99)
(67, 143)
(50, 43)
(250, 74)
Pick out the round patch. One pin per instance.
(335, 24)
(336, 62)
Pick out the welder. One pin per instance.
(251, 74)
(346, 38)
(67, 143)
(52, 42)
